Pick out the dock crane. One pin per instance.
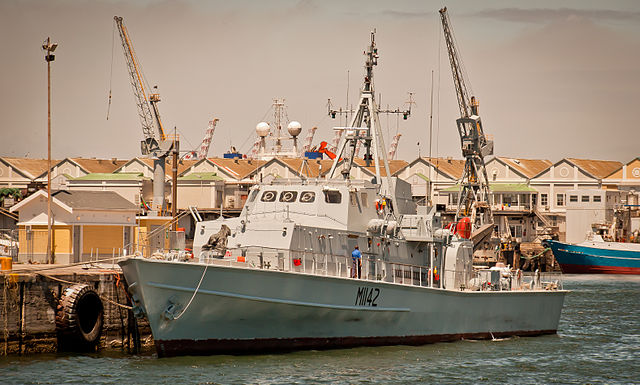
(473, 198)
(156, 145)
(203, 149)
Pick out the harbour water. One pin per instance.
(598, 341)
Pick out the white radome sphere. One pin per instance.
(294, 128)
(262, 129)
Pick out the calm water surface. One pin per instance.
(598, 341)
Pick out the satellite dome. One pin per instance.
(262, 129)
(294, 128)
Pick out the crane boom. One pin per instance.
(308, 140)
(147, 103)
(155, 144)
(394, 146)
(473, 198)
(203, 150)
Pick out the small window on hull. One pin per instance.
(253, 195)
(331, 196)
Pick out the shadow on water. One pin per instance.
(597, 342)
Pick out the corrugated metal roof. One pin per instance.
(449, 166)
(598, 168)
(528, 167)
(238, 168)
(110, 176)
(30, 167)
(314, 166)
(94, 200)
(422, 176)
(183, 165)
(93, 165)
(394, 166)
(201, 176)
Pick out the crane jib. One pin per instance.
(473, 197)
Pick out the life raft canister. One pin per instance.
(463, 228)
(79, 319)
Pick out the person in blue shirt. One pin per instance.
(356, 256)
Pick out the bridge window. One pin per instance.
(363, 197)
(307, 196)
(597, 198)
(253, 196)
(268, 196)
(585, 198)
(573, 198)
(288, 196)
(331, 196)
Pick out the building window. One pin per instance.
(516, 230)
(585, 198)
(559, 199)
(363, 197)
(573, 198)
(597, 198)
(508, 199)
(544, 201)
(534, 199)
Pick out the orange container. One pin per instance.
(6, 263)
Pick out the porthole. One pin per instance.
(307, 196)
(268, 196)
(288, 196)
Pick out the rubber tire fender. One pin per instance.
(79, 319)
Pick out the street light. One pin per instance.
(49, 47)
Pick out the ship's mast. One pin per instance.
(365, 127)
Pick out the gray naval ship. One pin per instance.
(281, 276)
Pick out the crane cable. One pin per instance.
(113, 33)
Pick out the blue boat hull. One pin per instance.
(580, 259)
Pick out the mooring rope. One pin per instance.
(194, 294)
(73, 283)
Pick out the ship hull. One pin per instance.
(241, 310)
(596, 258)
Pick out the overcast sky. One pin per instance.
(555, 79)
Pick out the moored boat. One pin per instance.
(597, 256)
(284, 274)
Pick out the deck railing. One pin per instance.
(375, 269)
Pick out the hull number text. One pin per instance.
(367, 296)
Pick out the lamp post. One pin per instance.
(49, 47)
